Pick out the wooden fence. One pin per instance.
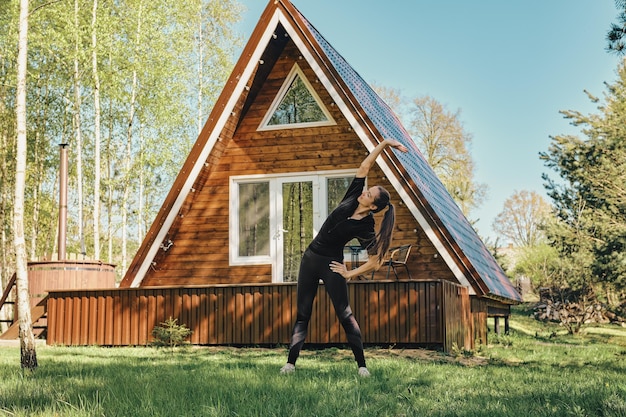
(432, 314)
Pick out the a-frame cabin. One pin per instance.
(285, 137)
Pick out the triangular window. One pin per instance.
(296, 105)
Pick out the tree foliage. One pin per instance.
(522, 218)
(590, 195)
(445, 143)
(143, 57)
(440, 136)
(617, 32)
(540, 263)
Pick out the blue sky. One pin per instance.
(508, 66)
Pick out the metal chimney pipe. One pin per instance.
(62, 201)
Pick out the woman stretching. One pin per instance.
(323, 259)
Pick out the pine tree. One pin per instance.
(590, 197)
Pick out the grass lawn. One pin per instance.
(535, 371)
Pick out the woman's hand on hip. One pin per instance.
(339, 268)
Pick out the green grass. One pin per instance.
(537, 370)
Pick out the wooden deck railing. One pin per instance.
(420, 313)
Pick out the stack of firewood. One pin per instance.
(567, 312)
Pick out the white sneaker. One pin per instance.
(288, 369)
(364, 372)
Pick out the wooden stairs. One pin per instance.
(38, 315)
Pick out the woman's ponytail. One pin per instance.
(383, 238)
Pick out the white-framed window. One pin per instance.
(274, 218)
(253, 220)
(296, 105)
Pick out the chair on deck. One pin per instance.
(397, 258)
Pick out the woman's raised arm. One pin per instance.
(368, 162)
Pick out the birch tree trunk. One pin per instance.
(96, 107)
(127, 165)
(38, 162)
(4, 276)
(28, 354)
(109, 199)
(129, 154)
(108, 166)
(200, 46)
(140, 203)
(77, 127)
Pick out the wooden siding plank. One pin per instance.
(288, 312)
(127, 319)
(276, 313)
(265, 327)
(53, 316)
(108, 334)
(373, 317)
(67, 324)
(392, 314)
(120, 325)
(151, 313)
(92, 326)
(404, 326)
(383, 313)
(143, 328)
(220, 316)
(177, 304)
(212, 317)
(423, 313)
(437, 303)
(244, 319)
(194, 307)
(131, 311)
(229, 313)
(99, 329)
(203, 317)
(249, 316)
(258, 315)
(159, 308)
(184, 317)
(238, 327)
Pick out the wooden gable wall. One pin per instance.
(200, 235)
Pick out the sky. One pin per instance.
(508, 66)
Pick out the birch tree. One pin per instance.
(8, 72)
(522, 218)
(129, 136)
(445, 143)
(96, 138)
(78, 148)
(28, 354)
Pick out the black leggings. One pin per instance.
(314, 267)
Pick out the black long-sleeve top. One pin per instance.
(339, 228)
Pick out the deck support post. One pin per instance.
(496, 325)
